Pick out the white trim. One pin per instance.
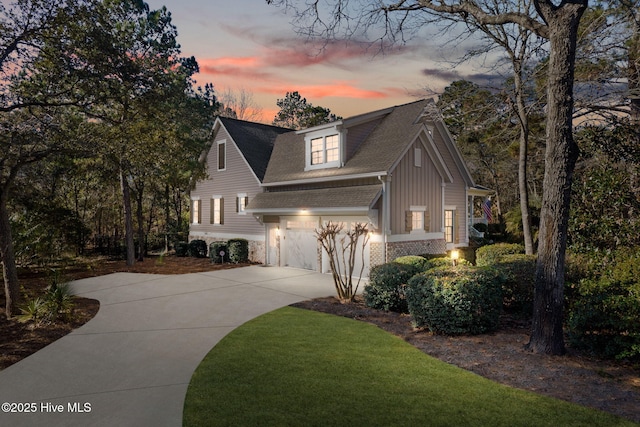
(323, 135)
(308, 211)
(213, 234)
(241, 196)
(395, 238)
(218, 144)
(325, 179)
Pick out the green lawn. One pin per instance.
(294, 367)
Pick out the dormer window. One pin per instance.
(323, 151)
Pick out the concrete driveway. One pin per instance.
(131, 364)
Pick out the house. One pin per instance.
(396, 169)
(236, 161)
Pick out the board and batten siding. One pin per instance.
(236, 179)
(415, 186)
(455, 193)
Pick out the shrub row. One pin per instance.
(456, 300)
(233, 250)
(604, 309)
(446, 299)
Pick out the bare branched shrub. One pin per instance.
(342, 248)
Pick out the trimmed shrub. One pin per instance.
(414, 260)
(182, 249)
(519, 272)
(491, 254)
(386, 287)
(444, 262)
(198, 248)
(238, 250)
(218, 252)
(455, 301)
(603, 315)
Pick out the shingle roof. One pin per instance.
(378, 153)
(345, 198)
(254, 140)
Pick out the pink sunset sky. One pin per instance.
(251, 46)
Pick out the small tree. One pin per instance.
(342, 249)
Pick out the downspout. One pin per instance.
(385, 217)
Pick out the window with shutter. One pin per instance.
(196, 211)
(241, 203)
(217, 210)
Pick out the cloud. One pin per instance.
(238, 67)
(334, 89)
(480, 79)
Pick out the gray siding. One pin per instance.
(455, 193)
(236, 178)
(417, 186)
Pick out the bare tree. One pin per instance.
(342, 248)
(556, 21)
(239, 105)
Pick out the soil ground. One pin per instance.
(603, 384)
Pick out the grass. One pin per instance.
(294, 367)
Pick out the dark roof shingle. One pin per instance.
(254, 140)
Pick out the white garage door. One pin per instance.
(301, 245)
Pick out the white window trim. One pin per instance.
(195, 215)
(419, 230)
(213, 199)
(240, 200)
(323, 134)
(219, 143)
(453, 226)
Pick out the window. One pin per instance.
(323, 151)
(417, 154)
(196, 210)
(417, 221)
(222, 155)
(241, 203)
(217, 210)
(449, 222)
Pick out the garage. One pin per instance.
(299, 246)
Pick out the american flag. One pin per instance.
(486, 208)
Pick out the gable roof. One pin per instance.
(380, 151)
(254, 141)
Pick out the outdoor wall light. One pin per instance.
(455, 255)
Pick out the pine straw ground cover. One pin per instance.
(607, 385)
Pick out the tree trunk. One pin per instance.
(128, 216)
(9, 272)
(560, 158)
(140, 219)
(522, 160)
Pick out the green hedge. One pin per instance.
(419, 262)
(218, 252)
(387, 282)
(238, 250)
(491, 254)
(182, 249)
(604, 312)
(198, 248)
(456, 300)
(519, 272)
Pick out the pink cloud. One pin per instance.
(336, 89)
(247, 67)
